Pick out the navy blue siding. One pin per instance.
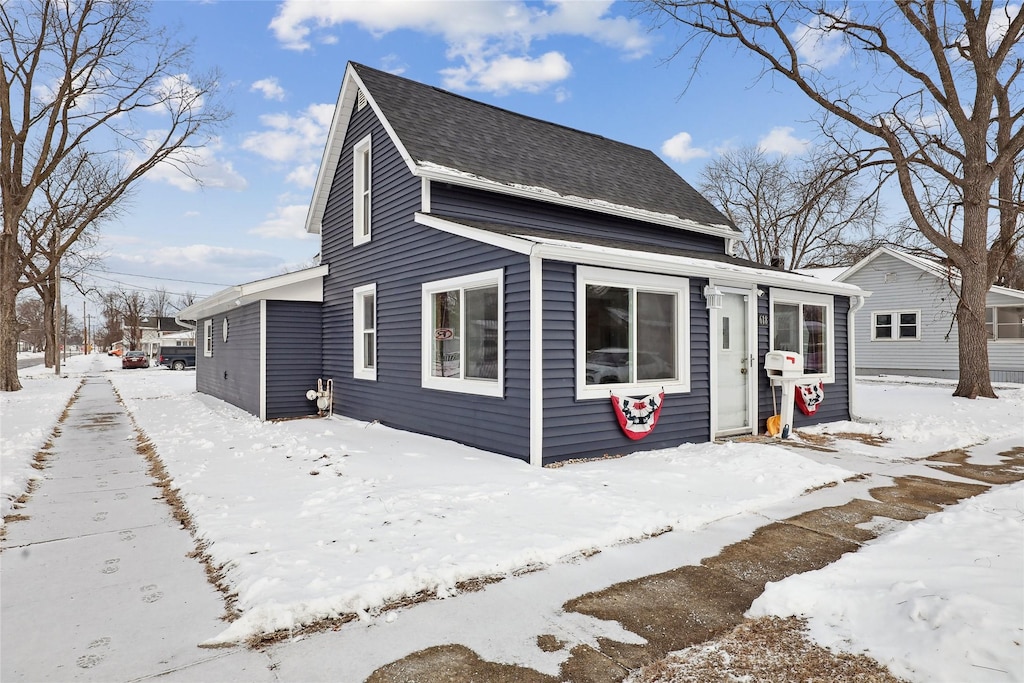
(836, 405)
(232, 373)
(294, 362)
(588, 428)
(462, 202)
(400, 257)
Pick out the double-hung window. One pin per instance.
(803, 322)
(364, 332)
(895, 325)
(208, 338)
(1005, 323)
(632, 333)
(362, 173)
(463, 334)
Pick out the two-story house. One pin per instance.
(494, 279)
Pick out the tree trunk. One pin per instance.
(9, 326)
(975, 379)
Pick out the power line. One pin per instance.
(154, 277)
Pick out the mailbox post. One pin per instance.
(785, 369)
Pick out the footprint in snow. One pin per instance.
(110, 566)
(88, 661)
(120, 496)
(99, 516)
(151, 594)
(126, 535)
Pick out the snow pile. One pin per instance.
(319, 518)
(28, 418)
(922, 420)
(940, 600)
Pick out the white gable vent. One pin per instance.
(360, 99)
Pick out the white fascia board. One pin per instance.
(350, 85)
(684, 266)
(1015, 293)
(431, 171)
(301, 285)
(516, 244)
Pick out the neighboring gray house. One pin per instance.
(908, 328)
(491, 278)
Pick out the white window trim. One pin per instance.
(358, 190)
(995, 328)
(208, 337)
(895, 326)
(480, 387)
(787, 296)
(360, 371)
(680, 286)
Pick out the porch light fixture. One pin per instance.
(714, 297)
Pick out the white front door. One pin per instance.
(732, 364)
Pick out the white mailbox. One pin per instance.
(783, 364)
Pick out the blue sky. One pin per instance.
(589, 65)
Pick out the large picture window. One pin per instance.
(1005, 323)
(364, 332)
(632, 333)
(463, 334)
(802, 322)
(895, 325)
(362, 172)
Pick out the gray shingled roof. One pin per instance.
(624, 244)
(455, 132)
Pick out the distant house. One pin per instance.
(155, 330)
(908, 325)
(494, 279)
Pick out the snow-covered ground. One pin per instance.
(315, 518)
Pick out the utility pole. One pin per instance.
(85, 330)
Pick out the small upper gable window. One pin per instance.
(360, 99)
(362, 167)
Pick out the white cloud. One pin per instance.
(781, 140)
(818, 47)
(269, 87)
(505, 74)
(286, 222)
(680, 148)
(491, 39)
(292, 138)
(999, 22)
(190, 169)
(303, 176)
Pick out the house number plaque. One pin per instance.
(762, 320)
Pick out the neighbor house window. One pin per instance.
(361, 191)
(895, 325)
(632, 333)
(802, 322)
(208, 338)
(1005, 323)
(364, 332)
(463, 334)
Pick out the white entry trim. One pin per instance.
(751, 292)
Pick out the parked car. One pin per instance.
(177, 357)
(611, 366)
(134, 359)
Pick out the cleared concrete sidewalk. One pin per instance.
(97, 584)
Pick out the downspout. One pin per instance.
(536, 357)
(856, 303)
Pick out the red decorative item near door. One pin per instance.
(637, 416)
(809, 397)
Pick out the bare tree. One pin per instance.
(185, 300)
(159, 302)
(30, 315)
(133, 308)
(932, 90)
(112, 314)
(804, 211)
(76, 77)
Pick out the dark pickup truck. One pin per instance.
(177, 357)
